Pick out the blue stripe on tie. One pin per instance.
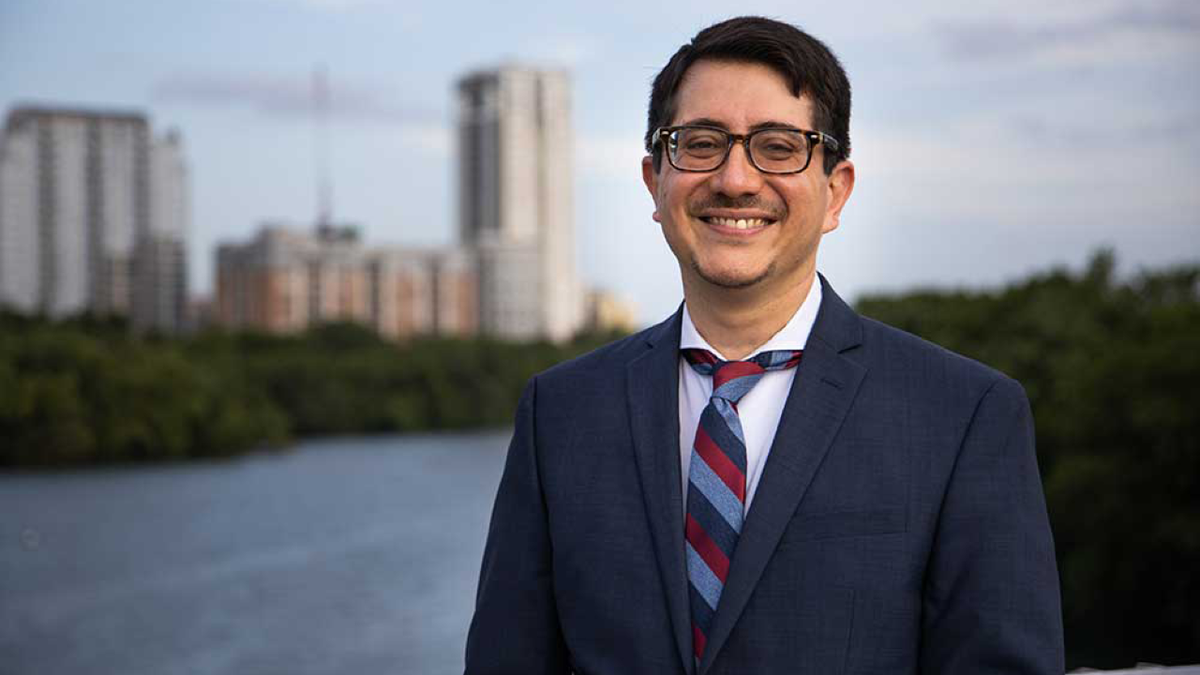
(703, 579)
(732, 421)
(716, 428)
(736, 388)
(699, 508)
(702, 614)
(773, 359)
(716, 492)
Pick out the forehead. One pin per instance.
(739, 95)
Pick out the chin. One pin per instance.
(731, 279)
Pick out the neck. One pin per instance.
(738, 321)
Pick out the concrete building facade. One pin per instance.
(160, 293)
(515, 200)
(284, 281)
(93, 216)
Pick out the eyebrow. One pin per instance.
(769, 124)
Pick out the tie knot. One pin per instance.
(733, 379)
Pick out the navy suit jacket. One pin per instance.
(899, 525)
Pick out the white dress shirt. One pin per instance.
(760, 409)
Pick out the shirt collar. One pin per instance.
(794, 335)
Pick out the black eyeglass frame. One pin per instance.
(814, 139)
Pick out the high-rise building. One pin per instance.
(160, 286)
(20, 273)
(515, 192)
(93, 216)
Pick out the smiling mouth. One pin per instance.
(737, 223)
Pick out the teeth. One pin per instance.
(740, 223)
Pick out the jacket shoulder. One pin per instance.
(887, 345)
(614, 355)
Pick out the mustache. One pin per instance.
(719, 201)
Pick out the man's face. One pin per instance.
(702, 213)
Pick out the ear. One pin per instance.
(650, 178)
(839, 185)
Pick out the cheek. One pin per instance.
(676, 190)
(674, 241)
(671, 230)
(809, 205)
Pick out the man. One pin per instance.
(845, 499)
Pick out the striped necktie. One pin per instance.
(716, 495)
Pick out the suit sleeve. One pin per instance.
(991, 596)
(515, 629)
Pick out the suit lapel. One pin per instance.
(653, 389)
(822, 392)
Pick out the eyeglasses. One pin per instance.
(771, 150)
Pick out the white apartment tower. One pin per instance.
(160, 289)
(515, 191)
(93, 215)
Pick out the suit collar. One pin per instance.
(667, 331)
(653, 394)
(838, 326)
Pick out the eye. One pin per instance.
(778, 144)
(701, 142)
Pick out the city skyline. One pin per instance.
(990, 140)
(510, 275)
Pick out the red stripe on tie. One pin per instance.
(698, 641)
(712, 555)
(734, 370)
(699, 356)
(719, 462)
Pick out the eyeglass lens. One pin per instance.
(773, 150)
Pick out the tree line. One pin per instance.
(1112, 370)
(86, 391)
(1111, 366)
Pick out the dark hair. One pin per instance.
(800, 58)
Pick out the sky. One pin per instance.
(992, 139)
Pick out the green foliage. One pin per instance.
(86, 392)
(1113, 374)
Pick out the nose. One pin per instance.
(737, 176)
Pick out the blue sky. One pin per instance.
(992, 138)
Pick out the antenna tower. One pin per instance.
(320, 93)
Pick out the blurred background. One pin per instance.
(351, 229)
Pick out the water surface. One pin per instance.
(348, 555)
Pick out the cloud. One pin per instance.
(326, 5)
(1031, 149)
(1133, 24)
(431, 139)
(1163, 131)
(286, 96)
(613, 157)
(569, 51)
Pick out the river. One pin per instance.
(347, 555)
